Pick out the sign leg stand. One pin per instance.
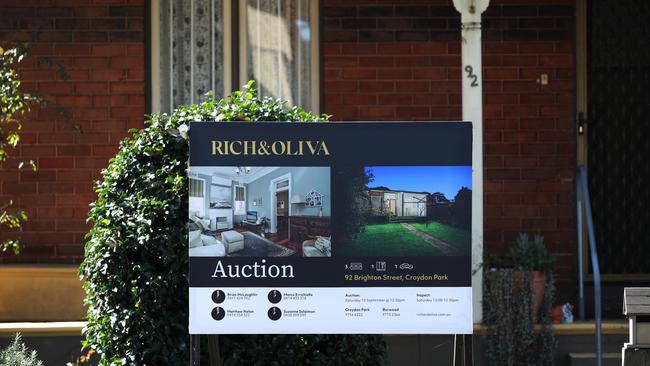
(195, 350)
(468, 347)
(213, 349)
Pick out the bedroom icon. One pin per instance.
(356, 266)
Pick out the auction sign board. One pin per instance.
(345, 227)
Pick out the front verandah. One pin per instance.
(58, 343)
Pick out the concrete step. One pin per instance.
(589, 359)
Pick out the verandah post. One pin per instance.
(472, 87)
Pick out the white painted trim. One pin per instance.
(273, 209)
(154, 72)
(472, 98)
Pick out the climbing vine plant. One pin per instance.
(14, 103)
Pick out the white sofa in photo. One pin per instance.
(205, 245)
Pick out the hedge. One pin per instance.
(136, 262)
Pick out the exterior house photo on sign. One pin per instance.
(563, 85)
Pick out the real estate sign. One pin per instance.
(330, 227)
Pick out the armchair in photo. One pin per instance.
(319, 246)
(203, 224)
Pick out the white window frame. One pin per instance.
(234, 195)
(155, 48)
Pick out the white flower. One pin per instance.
(183, 130)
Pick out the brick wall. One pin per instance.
(100, 46)
(402, 62)
(381, 62)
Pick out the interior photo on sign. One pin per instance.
(406, 211)
(249, 211)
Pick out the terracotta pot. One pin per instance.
(538, 284)
(556, 315)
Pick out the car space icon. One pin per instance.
(406, 266)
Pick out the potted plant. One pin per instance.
(519, 284)
(264, 225)
(18, 354)
(533, 257)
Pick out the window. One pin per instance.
(193, 50)
(277, 43)
(197, 187)
(197, 199)
(240, 200)
(188, 56)
(282, 185)
(415, 205)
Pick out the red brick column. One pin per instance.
(88, 58)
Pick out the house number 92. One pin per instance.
(471, 75)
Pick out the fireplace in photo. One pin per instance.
(221, 222)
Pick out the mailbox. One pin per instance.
(636, 305)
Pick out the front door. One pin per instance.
(391, 207)
(282, 214)
(617, 135)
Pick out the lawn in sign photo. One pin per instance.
(411, 211)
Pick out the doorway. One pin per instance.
(282, 214)
(613, 77)
(280, 190)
